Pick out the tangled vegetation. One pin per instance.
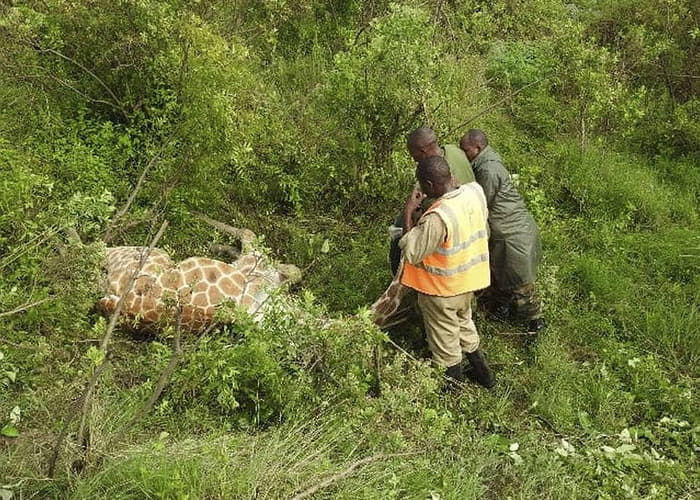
(289, 118)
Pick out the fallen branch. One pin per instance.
(517, 334)
(27, 305)
(245, 236)
(18, 346)
(327, 482)
(34, 242)
(134, 192)
(550, 425)
(84, 401)
(119, 104)
(113, 231)
(164, 376)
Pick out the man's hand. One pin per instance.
(413, 203)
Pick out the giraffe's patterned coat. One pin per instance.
(394, 306)
(194, 287)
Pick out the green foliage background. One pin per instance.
(289, 118)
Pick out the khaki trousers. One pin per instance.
(449, 326)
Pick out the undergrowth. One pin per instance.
(289, 118)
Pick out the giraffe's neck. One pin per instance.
(394, 305)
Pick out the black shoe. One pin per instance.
(501, 313)
(455, 377)
(536, 325)
(480, 371)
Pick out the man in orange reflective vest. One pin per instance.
(446, 259)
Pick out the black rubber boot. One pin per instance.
(455, 376)
(536, 325)
(502, 312)
(480, 371)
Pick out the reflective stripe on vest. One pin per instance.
(461, 263)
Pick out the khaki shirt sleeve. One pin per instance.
(423, 239)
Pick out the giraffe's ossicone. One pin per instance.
(190, 290)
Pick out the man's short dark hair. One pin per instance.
(434, 169)
(477, 137)
(422, 137)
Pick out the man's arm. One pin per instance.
(412, 204)
(423, 239)
(490, 183)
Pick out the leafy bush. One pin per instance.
(292, 358)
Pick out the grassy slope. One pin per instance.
(603, 405)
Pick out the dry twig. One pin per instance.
(164, 376)
(496, 104)
(517, 334)
(134, 192)
(245, 236)
(25, 306)
(118, 104)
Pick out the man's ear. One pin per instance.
(429, 186)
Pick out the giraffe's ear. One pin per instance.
(289, 273)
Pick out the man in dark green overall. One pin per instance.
(514, 243)
(423, 143)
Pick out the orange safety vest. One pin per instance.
(461, 263)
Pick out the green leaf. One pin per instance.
(95, 355)
(9, 431)
(585, 420)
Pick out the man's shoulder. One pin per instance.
(492, 158)
(491, 165)
(455, 155)
(453, 149)
(458, 162)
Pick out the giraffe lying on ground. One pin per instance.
(191, 289)
(194, 287)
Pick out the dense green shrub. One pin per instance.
(290, 118)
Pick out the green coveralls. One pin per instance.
(514, 243)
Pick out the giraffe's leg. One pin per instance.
(107, 305)
(394, 306)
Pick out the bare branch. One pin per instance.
(117, 231)
(27, 305)
(327, 482)
(34, 242)
(83, 95)
(134, 192)
(119, 104)
(164, 376)
(16, 345)
(517, 334)
(496, 104)
(245, 236)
